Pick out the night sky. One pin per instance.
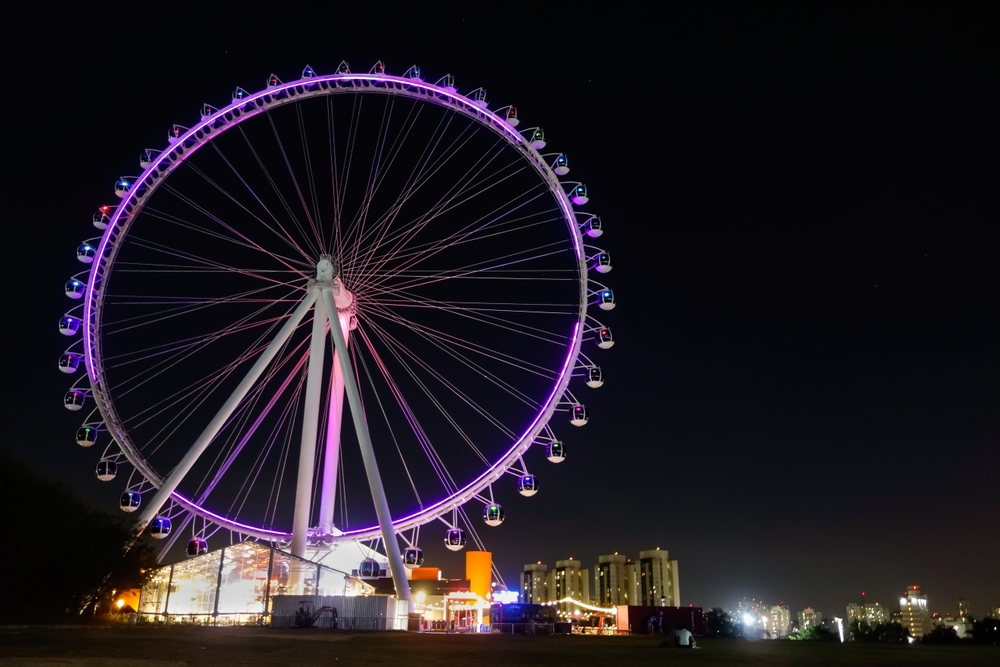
(803, 400)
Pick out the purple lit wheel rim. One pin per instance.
(231, 116)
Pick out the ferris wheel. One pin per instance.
(435, 246)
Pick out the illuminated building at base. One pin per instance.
(809, 617)
(658, 582)
(611, 582)
(867, 613)
(913, 612)
(534, 587)
(778, 621)
(568, 580)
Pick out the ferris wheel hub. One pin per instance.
(327, 277)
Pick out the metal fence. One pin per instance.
(522, 628)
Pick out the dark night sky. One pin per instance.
(803, 401)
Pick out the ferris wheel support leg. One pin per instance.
(205, 439)
(331, 450)
(368, 455)
(310, 423)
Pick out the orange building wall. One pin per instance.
(479, 572)
(425, 573)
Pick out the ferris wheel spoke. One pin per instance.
(419, 178)
(283, 234)
(153, 351)
(413, 181)
(398, 142)
(187, 268)
(411, 184)
(338, 242)
(316, 249)
(311, 181)
(472, 272)
(478, 315)
(177, 354)
(447, 202)
(286, 447)
(361, 215)
(399, 349)
(222, 416)
(430, 452)
(403, 299)
(161, 314)
(219, 374)
(478, 369)
(151, 372)
(163, 216)
(242, 435)
(220, 222)
(406, 261)
(284, 202)
(197, 263)
(436, 336)
(262, 458)
(388, 422)
(420, 252)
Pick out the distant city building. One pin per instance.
(809, 617)
(962, 625)
(657, 584)
(533, 584)
(913, 612)
(778, 621)
(631, 582)
(568, 580)
(963, 607)
(611, 583)
(653, 581)
(864, 612)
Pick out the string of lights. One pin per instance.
(583, 605)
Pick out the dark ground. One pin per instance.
(119, 646)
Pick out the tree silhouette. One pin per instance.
(66, 557)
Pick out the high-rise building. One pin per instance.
(809, 617)
(631, 582)
(867, 613)
(913, 612)
(657, 580)
(963, 607)
(568, 580)
(611, 583)
(533, 584)
(778, 621)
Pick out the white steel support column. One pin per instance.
(169, 485)
(368, 455)
(331, 451)
(310, 424)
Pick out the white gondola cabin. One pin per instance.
(130, 501)
(454, 539)
(493, 514)
(527, 485)
(106, 470)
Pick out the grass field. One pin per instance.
(120, 646)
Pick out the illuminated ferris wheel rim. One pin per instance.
(248, 106)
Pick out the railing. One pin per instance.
(588, 630)
(522, 628)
